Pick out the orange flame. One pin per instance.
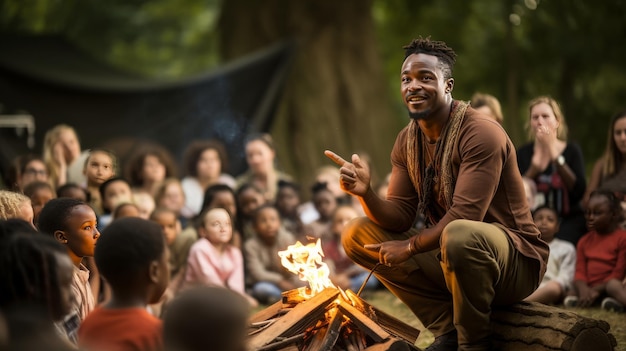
(306, 262)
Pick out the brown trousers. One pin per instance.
(476, 267)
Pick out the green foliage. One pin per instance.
(157, 38)
(35, 16)
(161, 38)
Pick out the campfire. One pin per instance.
(323, 316)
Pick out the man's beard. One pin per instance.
(419, 115)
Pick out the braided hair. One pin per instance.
(615, 204)
(445, 54)
(29, 274)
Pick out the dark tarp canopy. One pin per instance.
(57, 83)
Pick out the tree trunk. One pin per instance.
(335, 95)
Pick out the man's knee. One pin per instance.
(456, 236)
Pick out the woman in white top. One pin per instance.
(205, 165)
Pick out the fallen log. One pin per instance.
(538, 327)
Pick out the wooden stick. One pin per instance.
(391, 324)
(368, 326)
(325, 338)
(284, 342)
(266, 313)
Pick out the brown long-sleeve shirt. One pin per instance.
(488, 188)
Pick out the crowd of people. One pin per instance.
(99, 254)
(138, 240)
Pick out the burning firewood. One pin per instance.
(323, 317)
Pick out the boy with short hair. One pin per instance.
(133, 257)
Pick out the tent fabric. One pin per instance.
(57, 83)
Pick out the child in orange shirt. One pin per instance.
(601, 256)
(133, 258)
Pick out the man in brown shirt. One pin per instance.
(458, 168)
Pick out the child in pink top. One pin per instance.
(601, 255)
(213, 259)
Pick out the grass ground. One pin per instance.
(386, 302)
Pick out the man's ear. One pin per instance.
(153, 272)
(60, 236)
(449, 85)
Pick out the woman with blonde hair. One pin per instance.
(63, 156)
(555, 165)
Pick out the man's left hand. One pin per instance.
(391, 252)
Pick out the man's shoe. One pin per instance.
(445, 342)
(610, 304)
(570, 301)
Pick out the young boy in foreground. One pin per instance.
(133, 258)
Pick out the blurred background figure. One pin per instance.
(15, 205)
(148, 167)
(26, 169)
(609, 171)
(487, 104)
(206, 164)
(263, 171)
(63, 155)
